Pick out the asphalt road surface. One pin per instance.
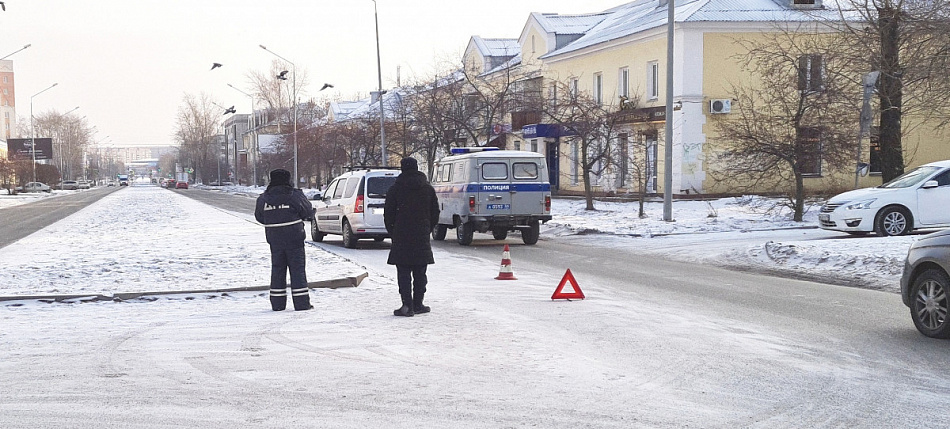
(20, 221)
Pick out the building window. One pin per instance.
(653, 80)
(533, 48)
(598, 88)
(624, 164)
(552, 94)
(574, 85)
(6, 79)
(809, 147)
(6, 91)
(810, 73)
(534, 145)
(623, 83)
(517, 144)
(575, 163)
(874, 157)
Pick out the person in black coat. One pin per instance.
(282, 209)
(412, 208)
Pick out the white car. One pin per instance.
(35, 187)
(352, 206)
(917, 199)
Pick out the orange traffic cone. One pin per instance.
(505, 272)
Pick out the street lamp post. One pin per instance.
(33, 128)
(379, 73)
(18, 50)
(255, 148)
(294, 84)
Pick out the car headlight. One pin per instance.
(860, 205)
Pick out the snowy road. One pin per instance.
(679, 348)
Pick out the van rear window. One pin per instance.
(524, 170)
(377, 187)
(494, 171)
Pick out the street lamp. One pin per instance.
(33, 128)
(294, 66)
(253, 129)
(18, 50)
(379, 72)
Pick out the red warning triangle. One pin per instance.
(568, 277)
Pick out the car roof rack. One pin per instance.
(367, 167)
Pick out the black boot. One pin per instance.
(406, 309)
(417, 306)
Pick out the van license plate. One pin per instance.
(499, 206)
(378, 211)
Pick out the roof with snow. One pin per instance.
(496, 47)
(642, 15)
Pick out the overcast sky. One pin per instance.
(128, 63)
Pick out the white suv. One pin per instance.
(352, 206)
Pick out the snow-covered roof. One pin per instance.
(496, 47)
(642, 15)
(341, 110)
(568, 24)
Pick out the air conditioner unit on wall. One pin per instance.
(720, 105)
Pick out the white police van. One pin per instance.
(485, 189)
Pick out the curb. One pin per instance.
(353, 281)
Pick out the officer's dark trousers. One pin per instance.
(412, 280)
(294, 260)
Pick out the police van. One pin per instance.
(486, 189)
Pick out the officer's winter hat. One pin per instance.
(279, 177)
(409, 165)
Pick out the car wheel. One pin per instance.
(438, 233)
(349, 239)
(531, 234)
(929, 307)
(464, 232)
(893, 221)
(499, 234)
(315, 232)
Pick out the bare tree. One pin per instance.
(795, 116)
(587, 123)
(434, 109)
(483, 101)
(196, 126)
(908, 42)
(71, 136)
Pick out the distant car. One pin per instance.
(917, 199)
(35, 187)
(925, 284)
(181, 185)
(83, 184)
(352, 206)
(69, 185)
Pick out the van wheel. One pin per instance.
(465, 232)
(438, 233)
(315, 232)
(530, 235)
(349, 239)
(499, 234)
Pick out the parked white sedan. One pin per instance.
(917, 199)
(34, 187)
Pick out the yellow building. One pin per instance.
(619, 57)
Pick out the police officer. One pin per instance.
(282, 209)
(412, 208)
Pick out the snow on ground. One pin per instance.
(145, 238)
(487, 356)
(7, 200)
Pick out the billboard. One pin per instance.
(22, 149)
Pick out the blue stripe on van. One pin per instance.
(501, 187)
